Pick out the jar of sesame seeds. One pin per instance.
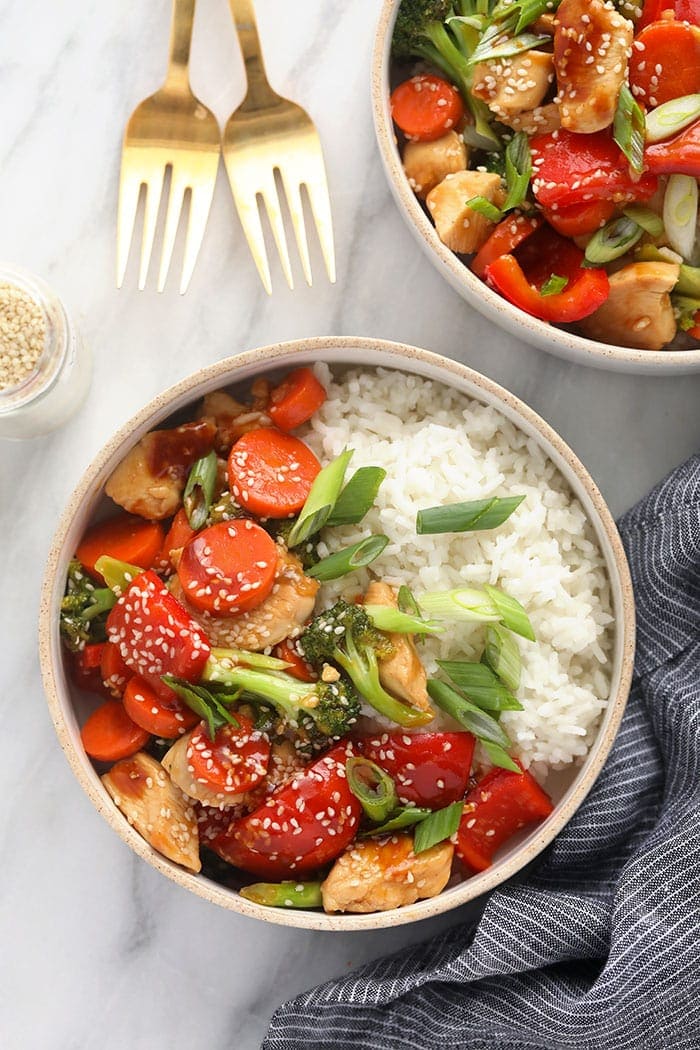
(45, 368)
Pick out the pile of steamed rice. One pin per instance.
(437, 447)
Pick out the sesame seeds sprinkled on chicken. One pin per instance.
(459, 227)
(427, 163)
(638, 311)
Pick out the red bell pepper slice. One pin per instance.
(502, 803)
(579, 220)
(505, 238)
(156, 635)
(677, 156)
(683, 11)
(429, 769)
(114, 671)
(569, 168)
(520, 279)
(302, 826)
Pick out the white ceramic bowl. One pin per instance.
(542, 335)
(65, 703)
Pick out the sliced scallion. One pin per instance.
(199, 491)
(461, 603)
(689, 281)
(243, 658)
(650, 222)
(402, 818)
(629, 129)
(118, 575)
(386, 618)
(681, 213)
(347, 560)
(284, 894)
(496, 44)
(513, 616)
(502, 655)
(615, 238)
(439, 826)
(471, 516)
(518, 170)
(204, 702)
(500, 757)
(321, 500)
(554, 285)
(523, 13)
(467, 714)
(357, 497)
(672, 117)
(480, 685)
(406, 601)
(486, 208)
(372, 787)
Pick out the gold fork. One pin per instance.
(266, 134)
(171, 129)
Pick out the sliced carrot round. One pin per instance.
(665, 63)
(235, 761)
(109, 734)
(271, 473)
(228, 568)
(296, 399)
(426, 107)
(126, 537)
(167, 718)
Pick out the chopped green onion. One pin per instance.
(284, 894)
(472, 516)
(386, 618)
(689, 281)
(373, 787)
(462, 603)
(204, 702)
(527, 11)
(629, 129)
(512, 614)
(672, 117)
(650, 222)
(495, 44)
(467, 714)
(681, 213)
(518, 170)
(499, 757)
(406, 601)
(119, 575)
(615, 238)
(440, 825)
(199, 491)
(347, 560)
(554, 285)
(357, 497)
(243, 658)
(321, 500)
(484, 207)
(404, 817)
(502, 655)
(480, 685)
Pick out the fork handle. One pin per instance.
(180, 42)
(260, 95)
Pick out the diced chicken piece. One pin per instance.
(458, 226)
(402, 673)
(232, 419)
(156, 807)
(288, 606)
(176, 764)
(150, 479)
(378, 875)
(638, 311)
(539, 121)
(427, 163)
(544, 25)
(514, 85)
(592, 46)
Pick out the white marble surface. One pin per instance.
(97, 949)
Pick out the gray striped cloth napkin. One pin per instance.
(597, 948)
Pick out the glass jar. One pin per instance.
(59, 380)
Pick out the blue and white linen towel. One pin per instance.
(599, 948)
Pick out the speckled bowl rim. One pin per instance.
(335, 351)
(538, 333)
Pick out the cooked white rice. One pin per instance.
(439, 447)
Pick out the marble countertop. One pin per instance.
(97, 948)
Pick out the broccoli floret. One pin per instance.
(328, 708)
(345, 635)
(224, 508)
(306, 551)
(84, 609)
